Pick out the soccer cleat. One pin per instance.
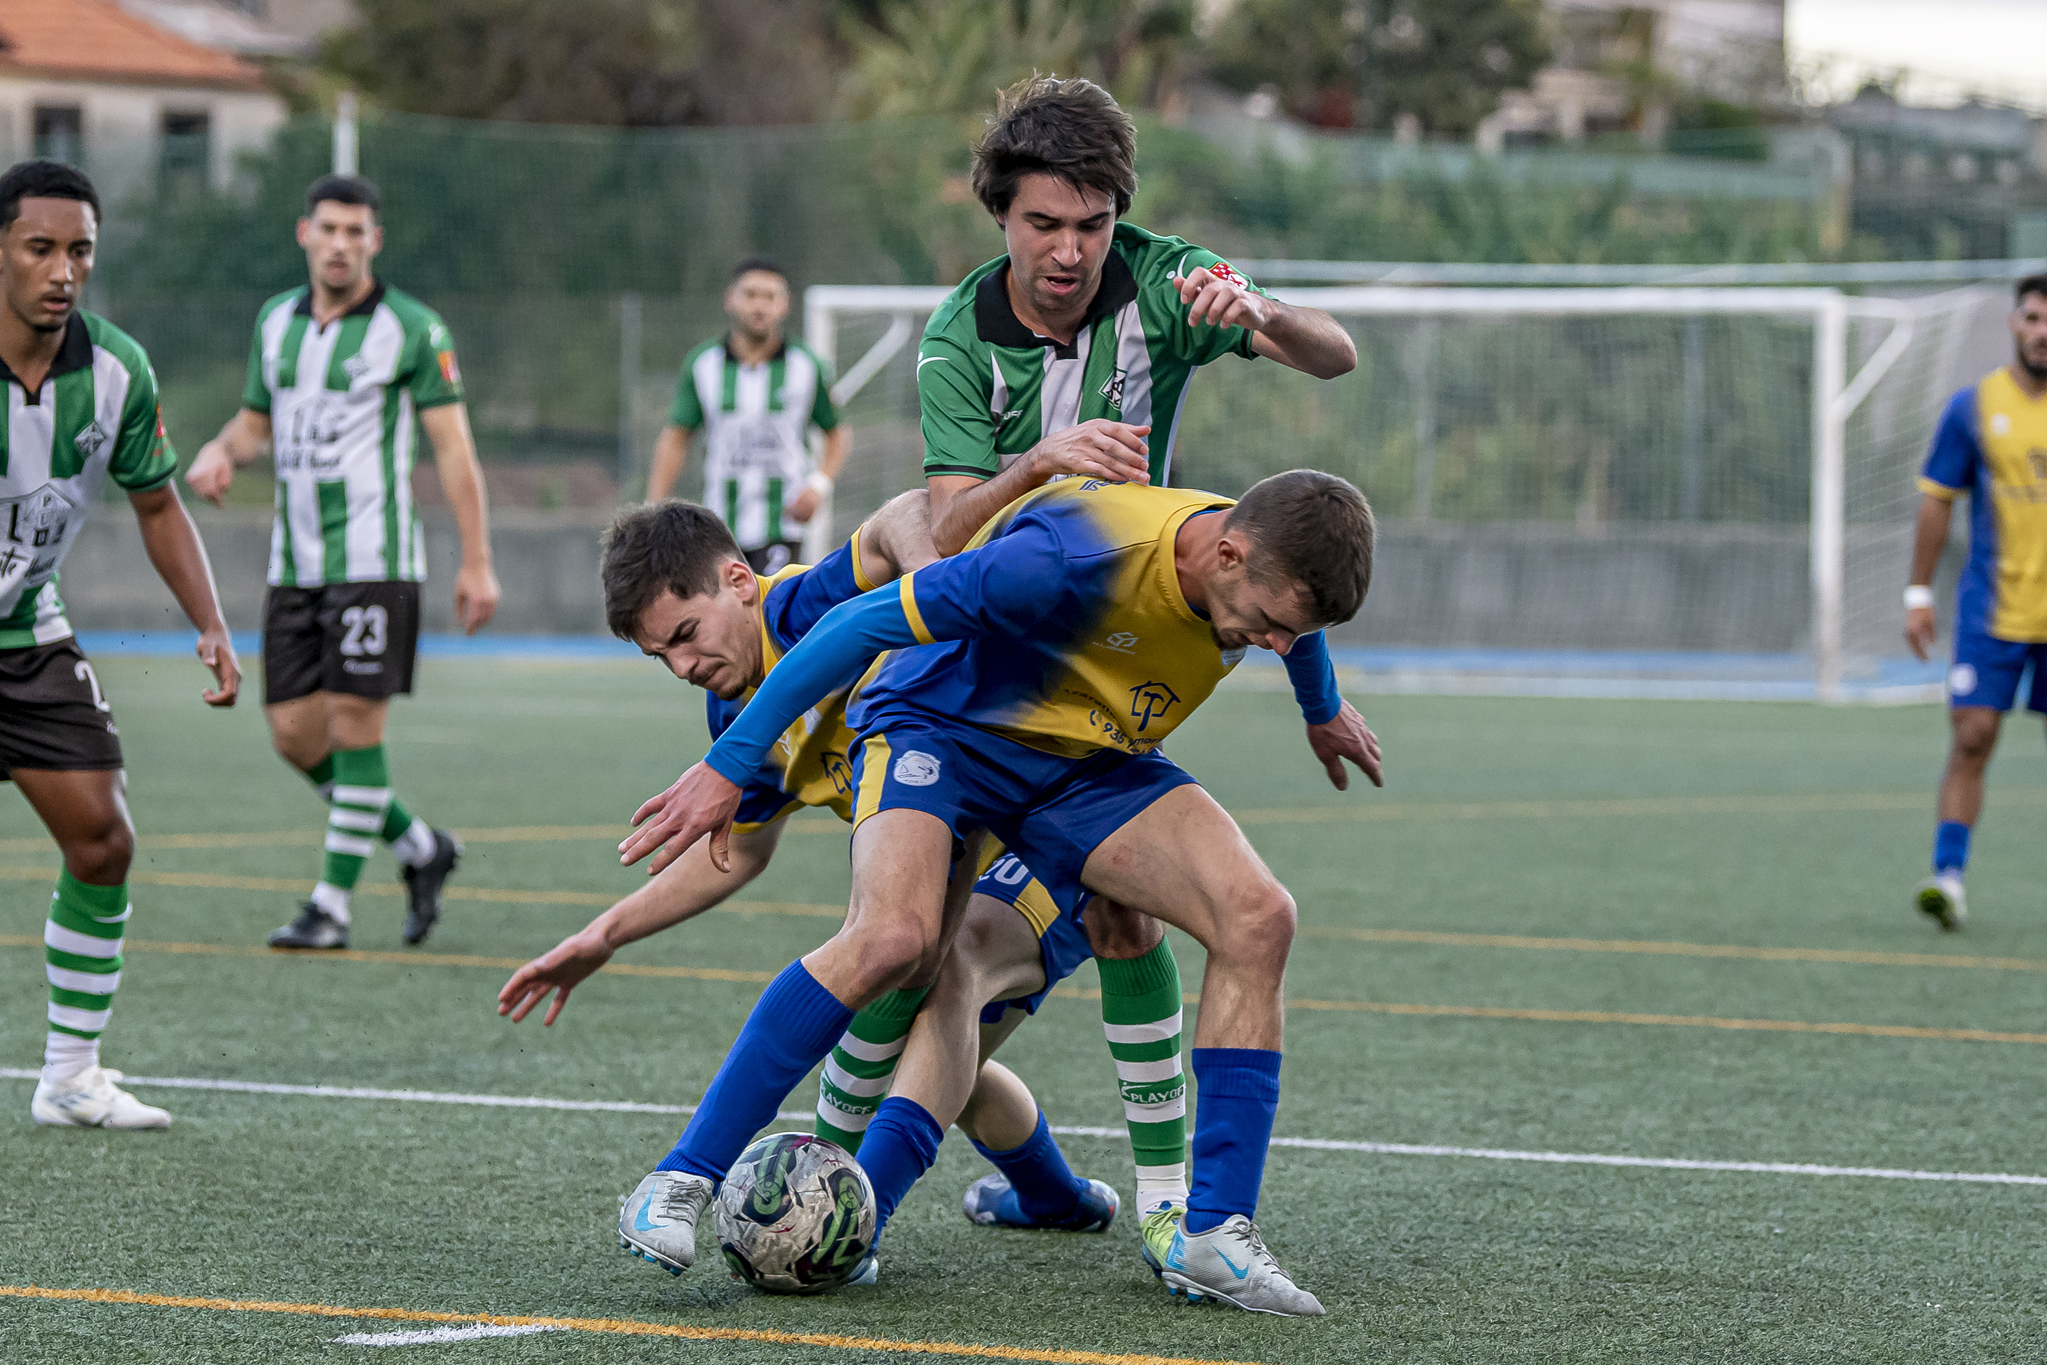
(991, 1201)
(1229, 1263)
(867, 1276)
(1940, 899)
(92, 1100)
(314, 928)
(1155, 1235)
(658, 1221)
(423, 887)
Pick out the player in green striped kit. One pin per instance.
(1072, 355)
(343, 375)
(754, 395)
(80, 407)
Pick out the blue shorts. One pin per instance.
(1062, 939)
(1053, 812)
(1987, 670)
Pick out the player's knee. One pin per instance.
(897, 955)
(1261, 925)
(1975, 736)
(1117, 932)
(102, 857)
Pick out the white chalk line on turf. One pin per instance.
(1661, 1163)
(437, 1335)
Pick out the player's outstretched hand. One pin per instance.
(1920, 630)
(211, 472)
(217, 652)
(1220, 298)
(1096, 449)
(556, 972)
(701, 802)
(1345, 735)
(476, 596)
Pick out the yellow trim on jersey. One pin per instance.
(910, 613)
(1939, 490)
(858, 576)
(873, 768)
(749, 826)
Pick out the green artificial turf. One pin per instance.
(1720, 824)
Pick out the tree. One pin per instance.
(1365, 63)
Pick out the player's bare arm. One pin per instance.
(244, 440)
(476, 584)
(1304, 339)
(1929, 538)
(689, 887)
(1096, 449)
(671, 455)
(897, 539)
(830, 461)
(180, 559)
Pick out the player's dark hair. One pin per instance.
(345, 189)
(753, 263)
(674, 545)
(43, 180)
(1070, 128)
(1314, 530)
(2031, 284)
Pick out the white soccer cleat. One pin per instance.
(92, 1100)
(1940, 899)
(658, 1221)
(1229, 1263)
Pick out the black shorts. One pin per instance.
(52, 712)
(774, 557)
(358, 638)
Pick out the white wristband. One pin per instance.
(1918, 597)
(819, 483)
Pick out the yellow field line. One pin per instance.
(223, 882)
(614, 1326)
(1363, 808)
(1665, 948)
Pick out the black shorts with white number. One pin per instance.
(358, 638)
(52, 712)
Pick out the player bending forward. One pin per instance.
(1992, 446)
(1091, 619)
(82, 406)
(340, 372)
(676, 585)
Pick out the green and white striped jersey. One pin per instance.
(343, 402)
(991, 388)
(95, 415)
(755, 420)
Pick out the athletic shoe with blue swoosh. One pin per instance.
(1229, 1264)
(658, 1221)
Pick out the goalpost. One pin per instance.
(1673, 477)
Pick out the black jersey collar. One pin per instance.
(73, 353)
(363, 309)
(781, 350)
(997, 323)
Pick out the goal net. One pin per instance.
(1680, 491)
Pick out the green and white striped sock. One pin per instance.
(857, 1074)
(408, 836)
(321, 775)
(1141, 1016)
(82, 958)
(355, 819)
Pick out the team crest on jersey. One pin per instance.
(915, 768)
(1223, 270)
(92, 440)
(356, 366)
(1149, 701)
(1112, 390)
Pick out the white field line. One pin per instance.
(438, 1335)
(1664, 1163)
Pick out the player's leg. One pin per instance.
(861, 1066)
(907, 896)
(1141, 1018)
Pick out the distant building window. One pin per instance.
(187, 149)
(60, 133)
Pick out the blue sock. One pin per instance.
(901, 1143)
(791, 1029)
(1046, 1187)
(1950, 847)
(1239, 1094)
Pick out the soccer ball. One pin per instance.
(795, 1215)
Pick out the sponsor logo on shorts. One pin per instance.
(1961, 680)
(362, 667)
(915, 768)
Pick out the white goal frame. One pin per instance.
(1836, 394)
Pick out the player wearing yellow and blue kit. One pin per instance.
(1991, 447)
(1088, 623)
